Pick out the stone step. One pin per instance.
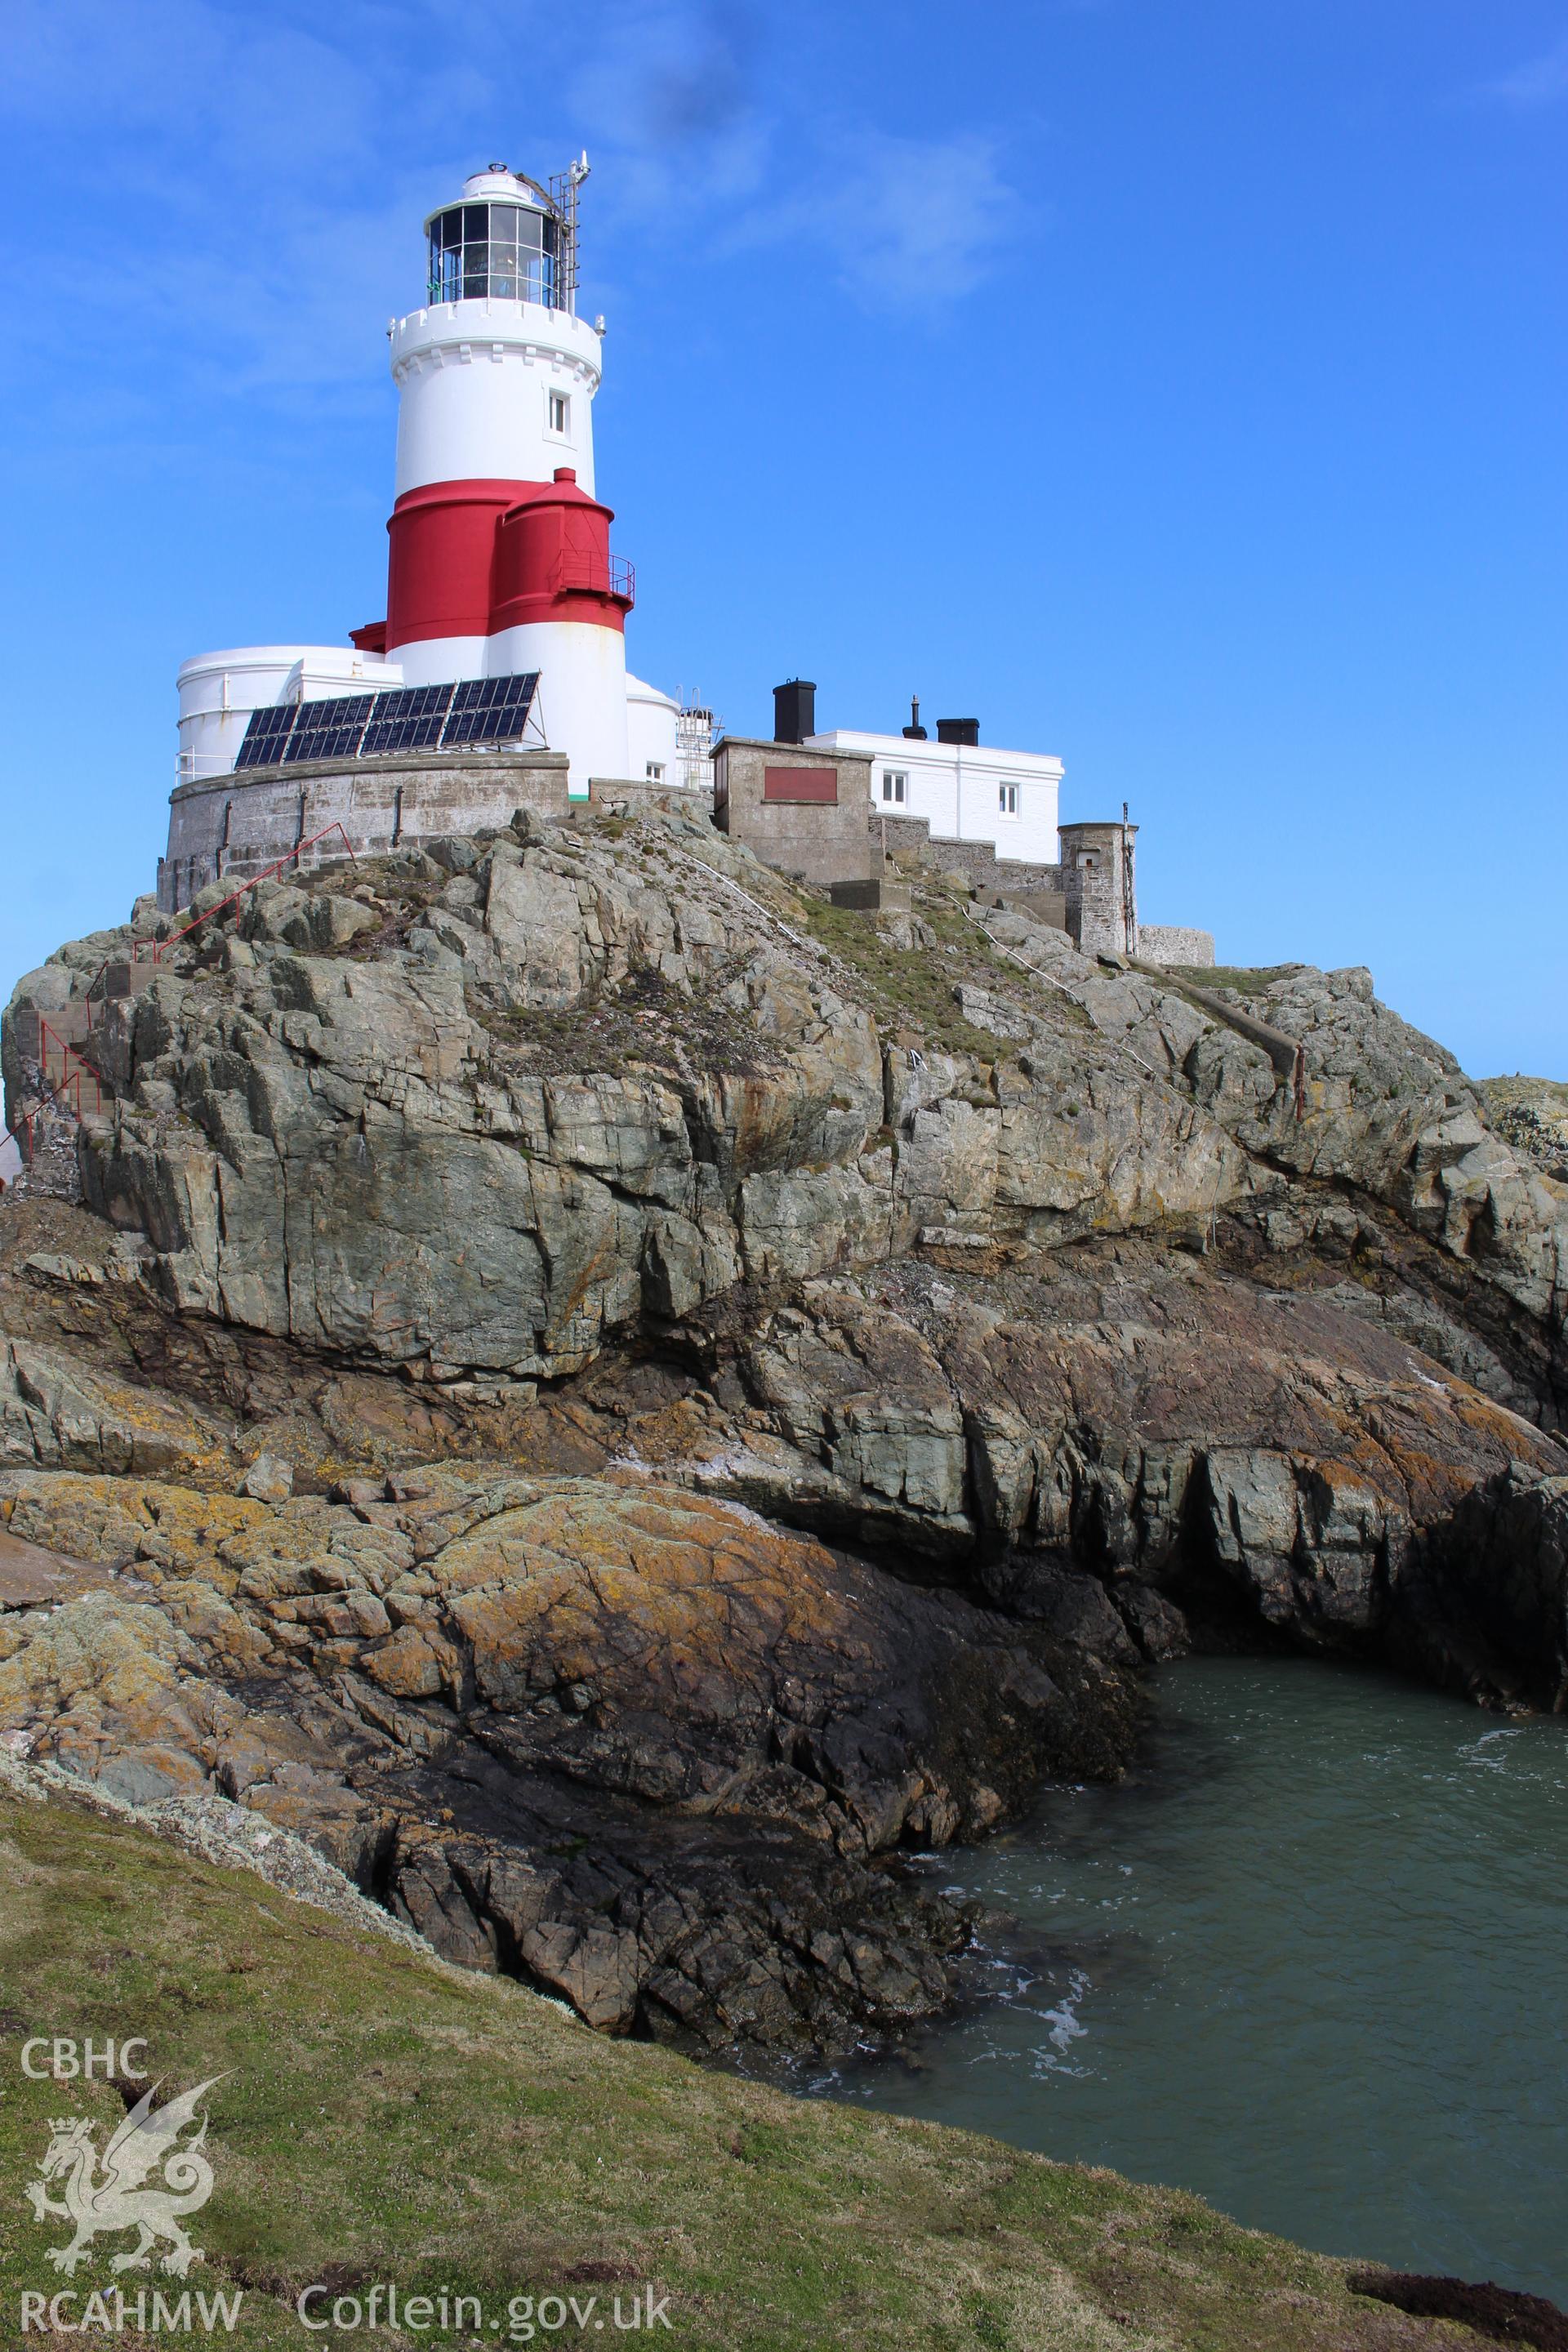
(72, 1024)
(121, 980)
(66, 1026)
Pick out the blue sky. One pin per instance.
(1177, 384)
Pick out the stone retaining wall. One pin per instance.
(1174, 943)
(242, 822)
(911, 837)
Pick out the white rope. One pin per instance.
(816, 949)
(801, 940)
(1051, 981)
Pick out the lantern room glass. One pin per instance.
(506, 252)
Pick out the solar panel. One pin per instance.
(330, 729)
(266, 734)
(491, 709)
(405, 719)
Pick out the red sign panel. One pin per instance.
(801, 784)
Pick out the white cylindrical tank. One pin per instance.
(652, 720)
(581, 705)
(217, 693)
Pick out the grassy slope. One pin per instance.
(387, 2117)
(1235, 980)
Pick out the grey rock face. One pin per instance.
(1500, 1578)
(1015, 1276)
(1120, 1447)
(370, 1152)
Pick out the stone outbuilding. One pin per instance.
(800, 808)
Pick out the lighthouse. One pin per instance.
(499, 560)
(497, 680)
(499, 564)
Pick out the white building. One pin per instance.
(964, 789)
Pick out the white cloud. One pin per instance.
(1542, 82)
(695, 128)
(262, 170)
(916, 223)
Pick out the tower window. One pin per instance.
(655, 769)
(896, 785)
(502, 251)
(1007, 799)
(559, 412)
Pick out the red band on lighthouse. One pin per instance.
(468, 559)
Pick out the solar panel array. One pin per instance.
(406, 719)
(265, 737)
(491, 709)
(401, 719)
(330, 729)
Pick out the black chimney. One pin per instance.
(795, 711)
(957, 730)
(914, 732)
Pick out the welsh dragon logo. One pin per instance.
(102, 2198)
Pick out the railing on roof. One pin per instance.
(190, 767)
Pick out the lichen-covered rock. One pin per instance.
(57, 1413)
(671, 1747)
(666, 1196)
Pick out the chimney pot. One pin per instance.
(795, 711)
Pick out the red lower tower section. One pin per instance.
(470, 558)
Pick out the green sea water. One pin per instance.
(1310, 1959)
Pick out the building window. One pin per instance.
(559, 412)
(895, 786)
(654, 770)
(1007, 799)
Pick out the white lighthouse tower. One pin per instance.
(500, 553)
(500, 562)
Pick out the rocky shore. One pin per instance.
(622, 1402)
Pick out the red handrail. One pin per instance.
(69, 1076)
(160, 945)
(23, 1126)
(68, 1053)
(598, 575)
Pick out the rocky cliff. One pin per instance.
(741, 1391)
